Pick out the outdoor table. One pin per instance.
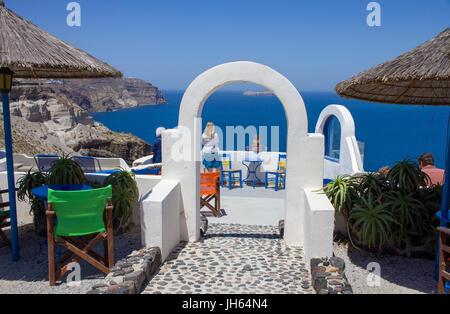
(42, 191)
(254, 163)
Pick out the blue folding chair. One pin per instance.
(278, 177)
(227, 173)
(87, 163)
(45, 162)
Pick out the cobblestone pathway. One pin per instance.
(233, 259)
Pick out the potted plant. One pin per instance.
(25, 184)
(125, 195)
(65, 170)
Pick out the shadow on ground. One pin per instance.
(397, 272)
(32, 266)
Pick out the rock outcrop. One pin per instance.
(93, 95)
(259, 93)
(46, 120)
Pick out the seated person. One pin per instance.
(426, 164)
(384, 171)
(256, 145)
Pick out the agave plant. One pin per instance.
(408, 211)
(66, 171)
(431, 198)
(28, 182)
(406, 176)
(125, 194)
(373, 183)
(373, 221)
(341, 193)
(25, 184)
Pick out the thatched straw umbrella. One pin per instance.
(26, 51)
(418, 77)
(33, 53)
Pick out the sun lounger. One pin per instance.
(44, 162)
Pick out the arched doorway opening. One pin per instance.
(252, 133)
(309, 215)
(342, 152)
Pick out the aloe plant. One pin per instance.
(373, 221)
(65, 170)
(406, 208)
(25, 184)
(125, 194)
(397, 211)
(28, 182)
(341, 193)
(406, 176)
(373, 183)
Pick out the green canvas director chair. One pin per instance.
(83, 218)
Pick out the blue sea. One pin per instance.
(390, 132)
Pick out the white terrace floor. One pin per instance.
(250, 206)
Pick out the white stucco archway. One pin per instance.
(350, 161)
(309, 218)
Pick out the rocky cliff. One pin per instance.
(47, 119)
(93, 95)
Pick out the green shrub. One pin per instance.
(341, 193)
(66, 171)
(406, 176)
(397, 212)
(25, 184)
(373, 222)
(373, 184)
(125, 194)
(28, 182)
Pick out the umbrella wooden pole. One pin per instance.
(10, 173)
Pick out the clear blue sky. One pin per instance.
(316, 44)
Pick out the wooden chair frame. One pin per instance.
(206, 199)
(82, 249)
(4, 222)
(229, 175)
(444, 258)
(280, 174)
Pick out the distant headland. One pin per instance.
(259, 93)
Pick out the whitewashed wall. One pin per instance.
(160, 217)
(182, 162)
(350, 161)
